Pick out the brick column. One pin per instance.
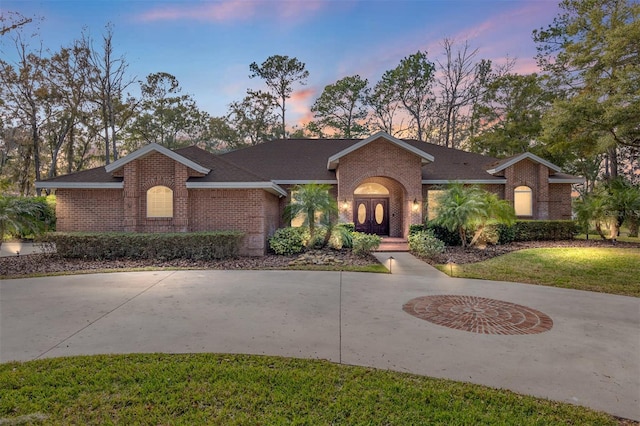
(543, 193)
(131, 197)
(180, 199)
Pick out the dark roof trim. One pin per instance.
(527, 155)
(333, 161)
(148, 149)
(469, 181)
(567, 180)
(304, 182)
(79, 185)
(267, 186)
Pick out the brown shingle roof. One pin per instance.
(306, 159)
(95, 175)
(291, 160)
(221, 169)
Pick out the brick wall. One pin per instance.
(401, 173)
(560, 201)
(89, 210)
(252, 211)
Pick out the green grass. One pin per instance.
(248, 390)
(606, 270)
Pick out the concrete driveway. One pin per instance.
(589, 357)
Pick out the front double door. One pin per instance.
(371, 215)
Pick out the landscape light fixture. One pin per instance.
(390, 261)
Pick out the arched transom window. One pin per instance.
(159, 202)
(371, 188)
(523, 201)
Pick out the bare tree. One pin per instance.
(461, 80)
(109, 81)
(25, 91)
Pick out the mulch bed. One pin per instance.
(47, 264)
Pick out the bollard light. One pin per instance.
(390, 261)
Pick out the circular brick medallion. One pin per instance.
(479, 314)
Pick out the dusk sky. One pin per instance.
(209, 45)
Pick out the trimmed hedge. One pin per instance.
(522, 230)
(133, 245)
(540, 230)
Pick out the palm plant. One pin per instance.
(19, 215)
(316, 203)
(495, 210)
(469, 209)
(609, 204)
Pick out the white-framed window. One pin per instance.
(523, 201)
(159, 202)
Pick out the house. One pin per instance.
(382, 184)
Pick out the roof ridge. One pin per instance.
(218, 157)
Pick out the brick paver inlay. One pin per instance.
(479, 314)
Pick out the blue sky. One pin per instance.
(209, 45)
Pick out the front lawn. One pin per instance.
(242, 389)
(606, 270)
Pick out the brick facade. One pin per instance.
(258, 212)
(391, 166)
(89, 210)
(252, 211)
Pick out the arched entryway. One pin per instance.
(377, 207)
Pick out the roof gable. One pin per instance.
(508, 162)
(333, 161)
(154, 147)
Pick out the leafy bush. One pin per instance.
(364, 244)
(341, 237)
(424, 244)
(131, 245)
(351, 227)
(287, 241)
(416, 227)
(506, 233)
(450, 238)
(26, 217)
(540, 230)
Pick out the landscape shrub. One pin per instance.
(131, 245)
(541, 230)
(341, 236)
(506, 233)
(424, 244)
(351, 227)
(364, 244)
(287, 241)
(416, 227)
(450, 238)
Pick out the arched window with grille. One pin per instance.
(159, 202)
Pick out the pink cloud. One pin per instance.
(234, 10)
(302, 95)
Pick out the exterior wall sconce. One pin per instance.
(415, 205)
(345, 205)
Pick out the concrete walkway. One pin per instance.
(589, 357)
